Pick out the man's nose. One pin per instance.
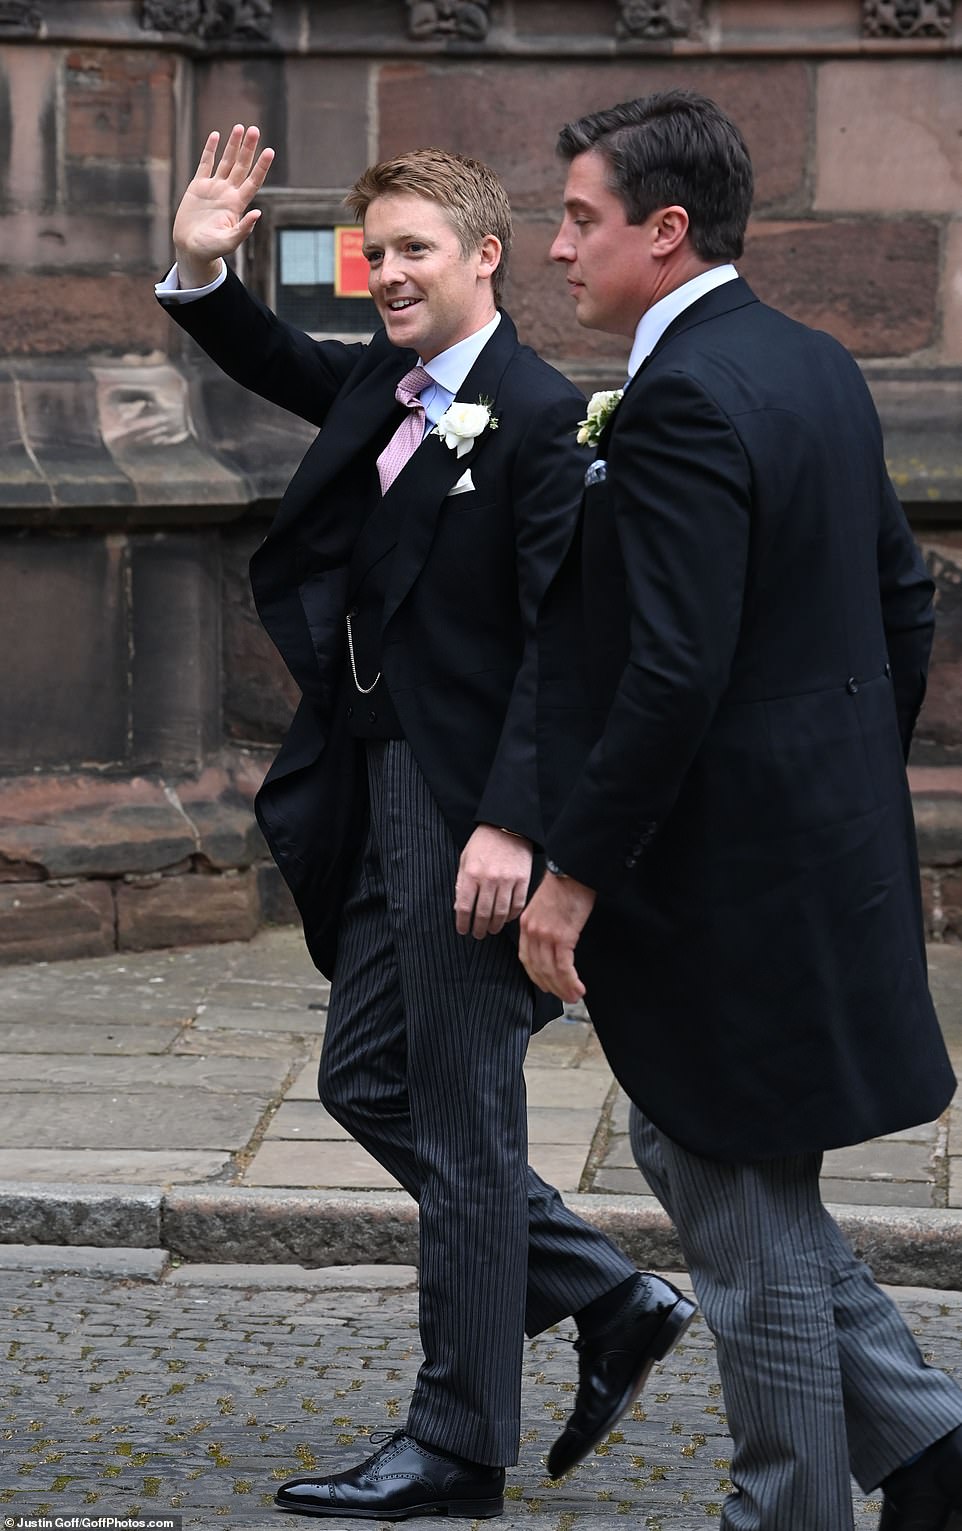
(391, 271)
(561, 246)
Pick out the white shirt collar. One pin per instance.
(450, 368)
(653, 324)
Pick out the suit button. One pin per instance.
(888, 669)
(851, 685)
(350, 712)
(372, 716)
(353, 612)
(630, 861)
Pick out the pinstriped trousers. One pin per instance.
(422, 1062)
(820, 1373)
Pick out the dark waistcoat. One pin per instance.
(370, 711)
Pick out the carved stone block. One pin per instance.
(19, 18)
(212, 20)
(906, 18)
(655, 20)
(448, 18)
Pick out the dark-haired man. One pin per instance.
(753, 621)
(399, 581)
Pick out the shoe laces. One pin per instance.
(381, 1438)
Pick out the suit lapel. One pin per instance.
(294, 572)
(355, 417)
(432, 472)
(720, 300)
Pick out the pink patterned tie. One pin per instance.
(407, 437)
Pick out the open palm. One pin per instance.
(213, 217)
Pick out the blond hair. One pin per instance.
(466, 190)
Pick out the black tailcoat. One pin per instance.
(750, 622)
(467, 573)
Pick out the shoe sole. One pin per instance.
(671, 1331)
(466, 1509)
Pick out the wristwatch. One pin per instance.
(553, 868)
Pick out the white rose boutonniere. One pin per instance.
(461, 425)
(601, 407)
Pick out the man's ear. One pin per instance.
(670, 230)
(489, 255)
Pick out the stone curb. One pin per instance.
(917, 1246)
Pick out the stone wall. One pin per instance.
(143, 699)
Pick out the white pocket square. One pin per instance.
(463, 485)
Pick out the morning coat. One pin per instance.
(749, 621)
(467, 573)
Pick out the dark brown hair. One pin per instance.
(673, 148)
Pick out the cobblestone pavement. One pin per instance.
(198, 1393)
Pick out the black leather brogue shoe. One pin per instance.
(403, 1478)
(613, 1365)
(922, 1497)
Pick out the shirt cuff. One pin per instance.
(172, 292)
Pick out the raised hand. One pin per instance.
(213, 217)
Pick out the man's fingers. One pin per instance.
(485, 909)
(498, 901)
(499, 913)
(229, 154)
(549, 964)
(519, 898)
(230, 239)
(570, 988)
(258, 174)
(465, 893)
(247, 225)
(554, 971)
(246, 151)
(205, 164)
(507, 906)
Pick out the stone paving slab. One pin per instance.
(306, 1120)
(86, 1038)
(926, 1132)
(326, 1278)
(93, 1166)
(560, 1164)
(262, 1077)
(101, 1118)
(257, 994)
(620, 1181)
(126, 1397)
(881, 1160)
(222, 1017)
(582, 1088)
(85, 1260)
(49, 1010)
(873, 1192)
(560, 1124)
(328, 1165)
(305, 1085)
(244, 1044)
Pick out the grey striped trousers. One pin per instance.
(819, 1370)
(423, 1054)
